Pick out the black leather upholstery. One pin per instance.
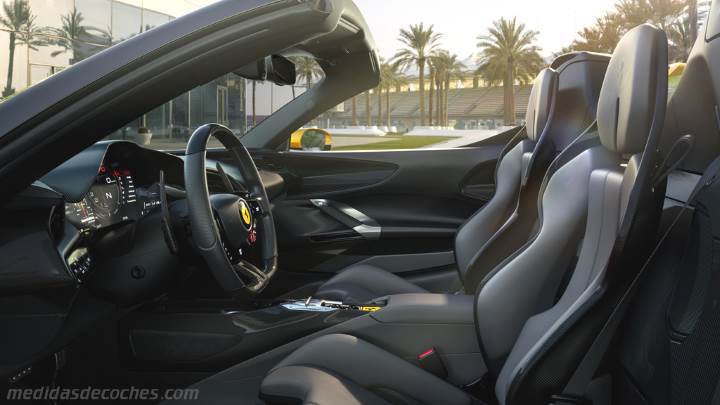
(525, 312)
(481, 227)
(529, 279)
(484, 224)
(627, 99)
(621, 209)
(562, 104)
(541, 103)
(342, 369)
(580, 77)
(361, 283)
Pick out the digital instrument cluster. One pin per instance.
(113, 198)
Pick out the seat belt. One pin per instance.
(574, 391)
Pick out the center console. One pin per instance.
(214, 339)
(407, 325)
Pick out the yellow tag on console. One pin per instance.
(370, 309)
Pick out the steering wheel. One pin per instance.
(222, 223)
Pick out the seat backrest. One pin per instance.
(588, 208)
(666, 352)
(562, 104)
(479, 228)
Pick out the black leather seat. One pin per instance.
(590, 197)
(562, 104)
(540, 311)
(342, 369)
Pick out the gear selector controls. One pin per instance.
(318, 305)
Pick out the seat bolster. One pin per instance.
(361, 283)
(338, 358)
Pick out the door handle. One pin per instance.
(367, 227)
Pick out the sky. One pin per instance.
(459, 21)
(175, 8)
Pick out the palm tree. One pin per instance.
(509, 51)
(418, 45)
(679, 38)
(384, 67)
(71, 31)
(683, 31)
(378, 89)
(354, 111)
(307, 69)
(101, 36)
(657, 12)
(678, 18)
(452, 68)
(601, 37)
(439, 82)
(19, 20)
(440, 61)
(32, 37)
(368, 120)
(391, 77)
(431, 95)
(436, 84)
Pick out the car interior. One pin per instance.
(570, 260)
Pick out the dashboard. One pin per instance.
(112, 183)
(88, 238)
(108, 212)
(113, 198)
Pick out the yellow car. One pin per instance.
(311, 139)
(675, 72)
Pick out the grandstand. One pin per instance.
(468, 108)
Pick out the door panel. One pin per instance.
(395, 209)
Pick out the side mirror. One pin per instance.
(311, 139)
(275, 68)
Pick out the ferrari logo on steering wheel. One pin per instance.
(245, 212)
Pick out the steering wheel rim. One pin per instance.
(212, 230)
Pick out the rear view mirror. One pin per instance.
(282, 71)
(275, 68)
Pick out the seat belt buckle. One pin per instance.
(565, 399)
(431, 362)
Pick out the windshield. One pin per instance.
(444, 81)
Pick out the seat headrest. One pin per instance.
(635, 81)
(540, 103)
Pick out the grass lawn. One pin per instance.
(399, 142)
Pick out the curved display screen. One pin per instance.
(112, 199)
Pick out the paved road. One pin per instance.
(354, 140)
(463, 141)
